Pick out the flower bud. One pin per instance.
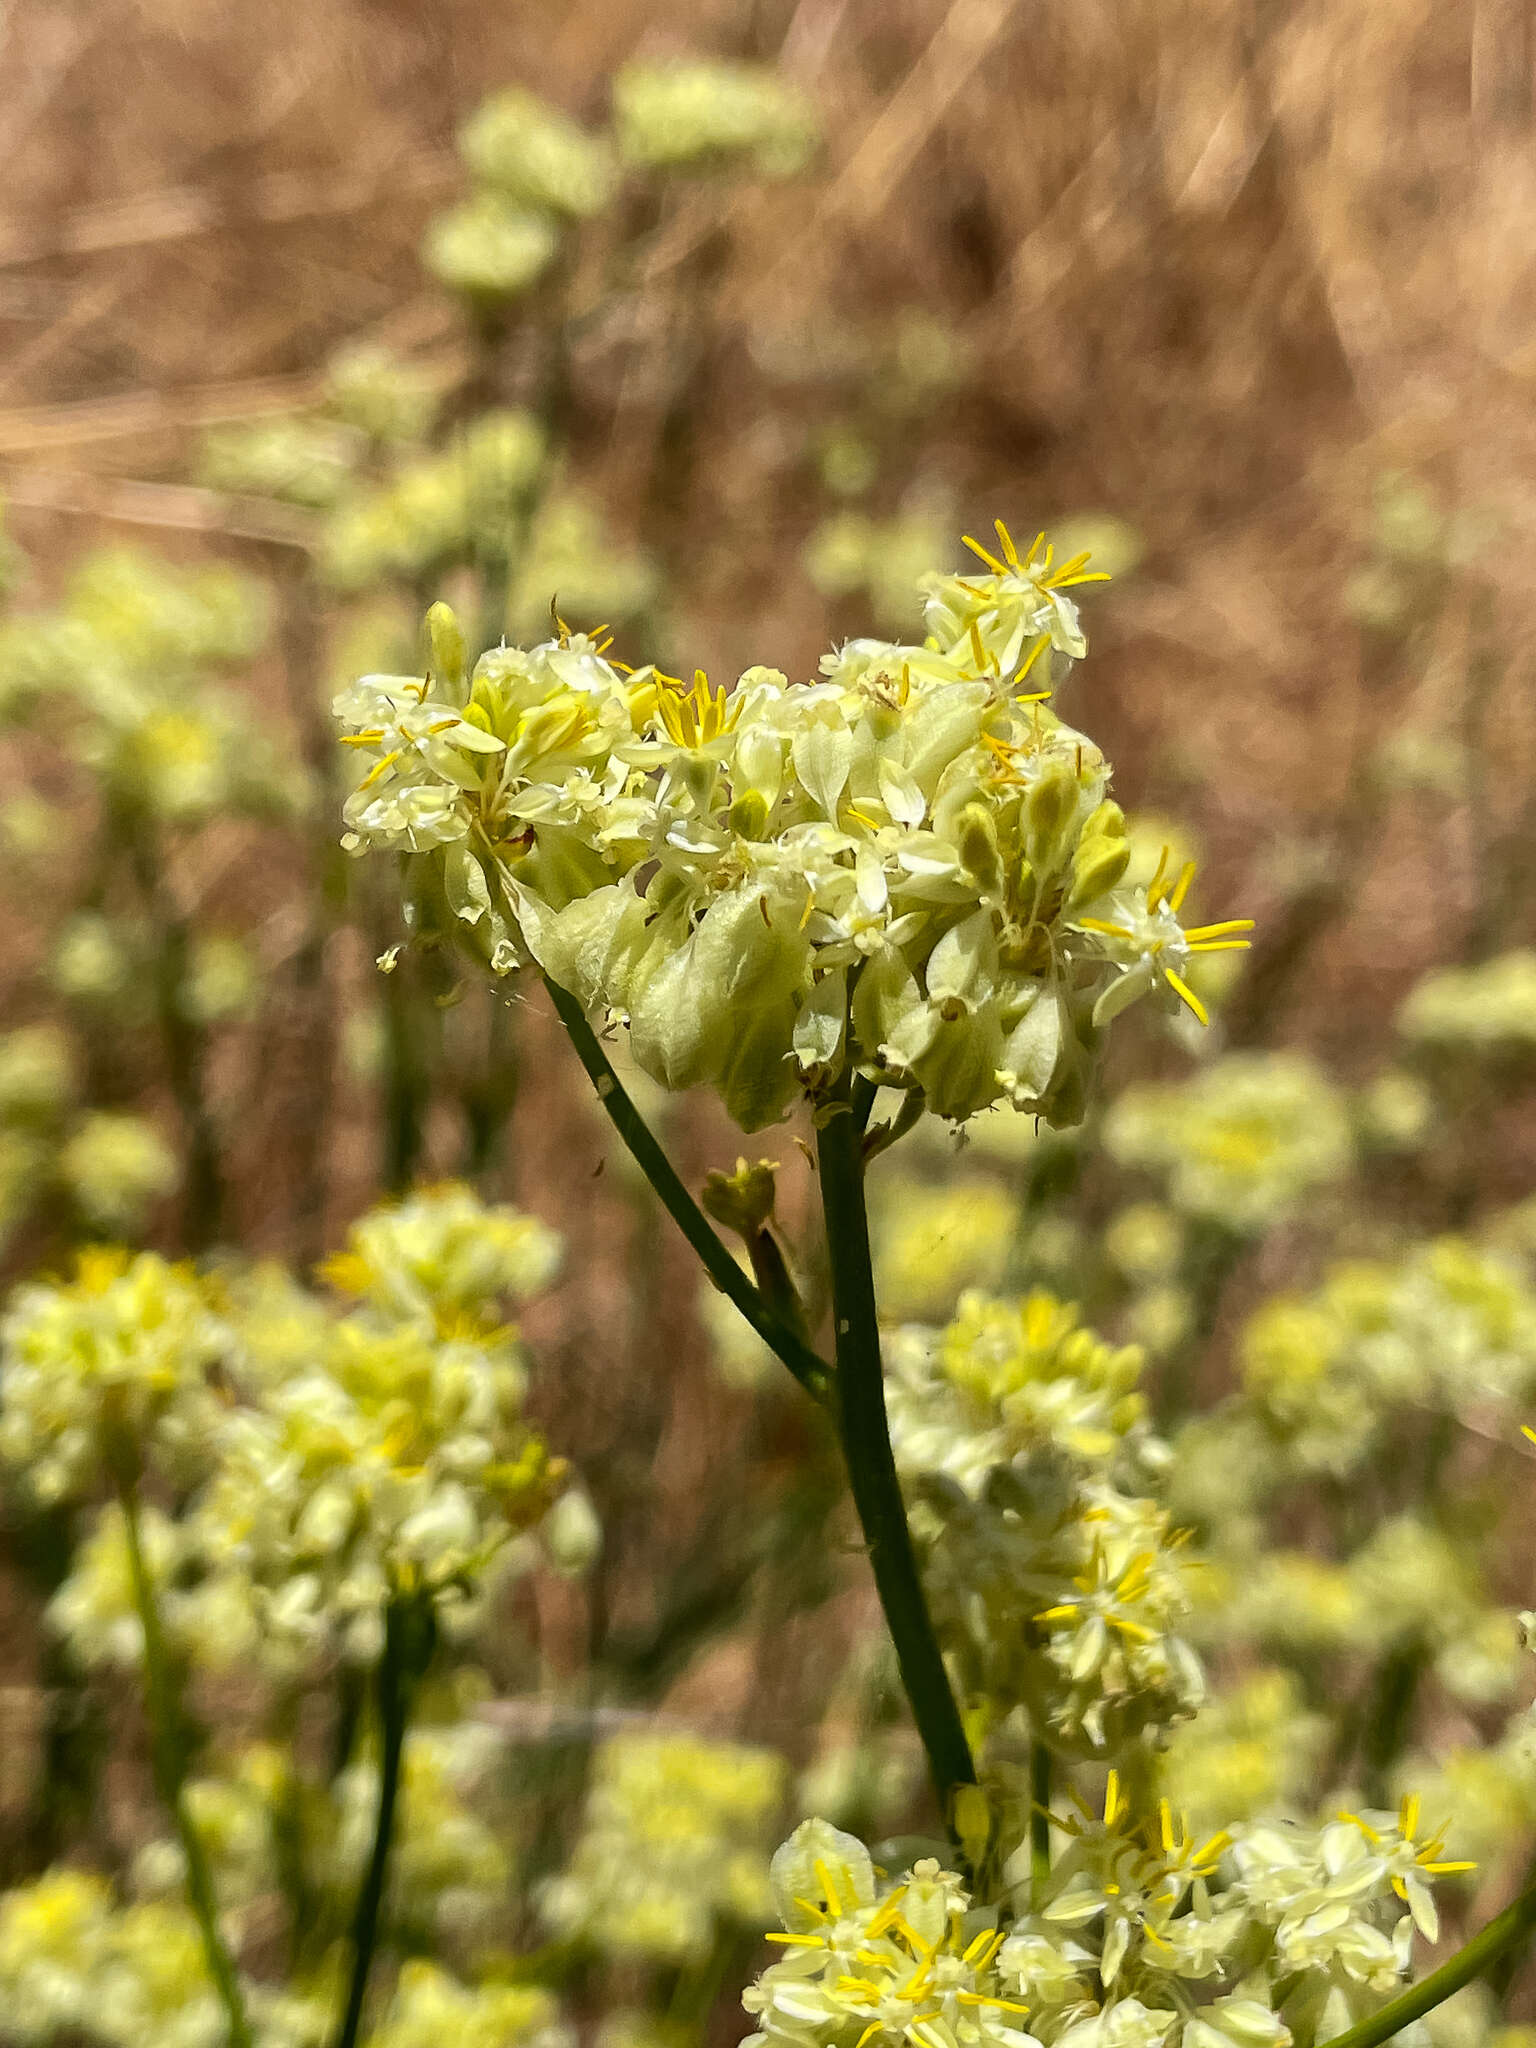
(447, 638)
(741, 1201)
(1097, 866)
(976, 835)
(1049, 808)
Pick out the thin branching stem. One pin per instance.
(644, 1148)
(1039, 1821)
(399, 1666)
(166, 1751)
(866, 1440)
(1501, 1934)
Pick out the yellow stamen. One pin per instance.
(1364, 1826)
(379, 769)
(1181, 887)
(888, 1914)
(1132, 1630)
(912, 1938)
(797, 1940)
(363, 739)
(1219, 931)
(1187, 997)
(1029, 661)
(1155, 886)
(1069, 568)
(991, 560)
(825, 1877)
(1010, 552)
(1111, 931)
(1111, 1798)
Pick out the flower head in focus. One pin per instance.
(908, 867)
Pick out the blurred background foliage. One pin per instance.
(716, 324)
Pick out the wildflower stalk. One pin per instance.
(1039, 1820)
(1502, 1933)
(407, 1650)
(866, 1441)
(170, 1783)
(690, 1219)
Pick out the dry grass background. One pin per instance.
(1221, 264)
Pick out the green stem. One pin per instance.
(1389, 1716)
(1039, 1822)
(866, 1441)
(164, 1715)
(402, 1661)
(808, 1369)
(1501, 1934)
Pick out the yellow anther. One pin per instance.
(1133, 1631)
(380, 769)
(985, 555)
(888, 1914)
(1187, 996)
(1181, 887)
(1005, 538)
(1155, 886)
(912, 1938)
(1364, 1826)
(1112, 1806)
(363, 739)
(1069, 568)
(825, 1877)
(1028, 663)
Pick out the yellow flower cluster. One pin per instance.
(1021, 1440)
(909, 867)
(674, 1842)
